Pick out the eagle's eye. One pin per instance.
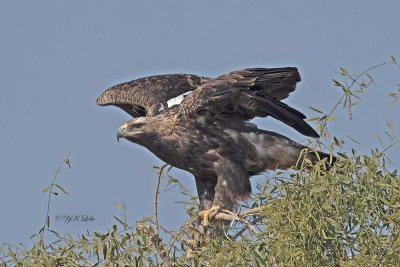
(138, 125)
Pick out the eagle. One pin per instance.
(202, 125)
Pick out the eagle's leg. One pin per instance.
(233, 184)
(205, 191)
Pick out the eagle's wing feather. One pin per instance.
(250, 93)
(148, 96)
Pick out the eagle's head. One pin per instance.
(135, 130)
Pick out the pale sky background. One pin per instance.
(56, 57)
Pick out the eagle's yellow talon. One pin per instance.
(209, 214)
(191, 242)
(189, 253)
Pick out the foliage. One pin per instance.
(348, 215)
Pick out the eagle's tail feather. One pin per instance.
(280, 111)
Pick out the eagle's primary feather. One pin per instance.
(200, 125)
(149, 95)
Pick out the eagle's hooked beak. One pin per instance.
(121, 132)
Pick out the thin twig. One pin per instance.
(66, 161)
(156, 190)
(230, 216)
(158, 245)
(354, 80)
(241, 231)
(252, 211)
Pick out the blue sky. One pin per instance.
(56, 57)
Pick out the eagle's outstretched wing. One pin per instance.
(149, 96)
(250, 93)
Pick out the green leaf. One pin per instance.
(62, 189)
(68, 162)
(12, 254)
(371, 79)
(46, 261)
(336, 141)
(121, 222)
(343, 70)
(46, 189)
(327, 206)
(119, 206)
(331, 118)
(336, 83)
(393, 59)
(316, 110)
(393, 216)
(317, 189)
(171, 180)
(105, 251)
(314, 119)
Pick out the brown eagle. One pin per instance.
(201, 125)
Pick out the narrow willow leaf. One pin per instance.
(316, 110)
(68, 162)
(331, 118)
(46, 189)
(314, 119)
(343, 70)
(105, 251)
(336, 141)
(118, 206)
(12, 254)
(336, 83)
(62, 189)
(317, 189)
(121, 222)
(46, 261)
(393, 59)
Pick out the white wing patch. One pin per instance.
(177, 100)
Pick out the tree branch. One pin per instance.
(156, 190)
